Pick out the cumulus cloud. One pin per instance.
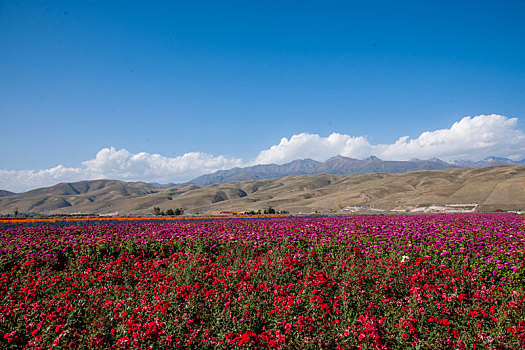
(314, 146)
(21, 180)
(110, 163)
(121, 164)
(471, 138)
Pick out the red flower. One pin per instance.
(443, 321)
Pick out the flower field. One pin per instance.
(367, 282)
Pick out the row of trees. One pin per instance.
(270, 210)
(180, 211)
(158, 211)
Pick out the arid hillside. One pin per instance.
(457, 189)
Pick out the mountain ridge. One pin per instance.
(334, 165)
(483, 189)
(487, 162)
(4, 193)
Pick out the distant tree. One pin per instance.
(157, 211)
(270, 210)
(179, 211)
(170, 212)
(16, 212)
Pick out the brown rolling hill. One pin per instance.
(457, 189)
(4, 193)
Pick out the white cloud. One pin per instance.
(21, 180)
(110, 163)
(122, 164)
(314, 146)
(470, 138)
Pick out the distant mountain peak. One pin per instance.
(487, 162)
(157, 184)
(437, 160)
(497, 159)
(304, 161)
(335, 165)
(337, 157)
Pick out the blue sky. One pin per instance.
(192, 87)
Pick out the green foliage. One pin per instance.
(270, 210)
(157, 211)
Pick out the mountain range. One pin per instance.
(335, 165)
(489, 161)
(452, 189)
(341, 165)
